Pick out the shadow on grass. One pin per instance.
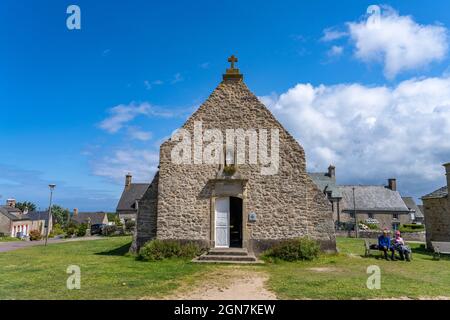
(120, 251)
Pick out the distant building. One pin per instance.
(12, 221)
(326, 181)
(127, 207)
(39, 221)
(415, 211)
(89, 217)
(380, 205)
(437, 212)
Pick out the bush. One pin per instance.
(372, 226)
(35, 235)
(130, 225)
(412, 227)
(57, 230)
(294, 250)
(81, 230)
(167, 249)
(71, 229)
(109, 230)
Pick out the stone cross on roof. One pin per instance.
(232, 73)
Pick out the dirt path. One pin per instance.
(228, 283)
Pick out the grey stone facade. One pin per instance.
(436, 207)
(180, 203)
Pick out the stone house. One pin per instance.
(127, 207)
(437, 212)
(39, 221)
(415, 212)
(89, 217)
(12, 221)
(326, 181)
(381, 205)
(233, 200)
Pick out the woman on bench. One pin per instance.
(399, 245)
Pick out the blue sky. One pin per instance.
(160, 60)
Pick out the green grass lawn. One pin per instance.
(108, 273)
(8, 239)
(343, 276)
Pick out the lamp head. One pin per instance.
(52, 186)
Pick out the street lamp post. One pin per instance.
(354, 212)
(51, 186)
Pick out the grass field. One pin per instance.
(107, 272)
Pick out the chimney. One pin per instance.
(392, 184)
(331, 171)
(11, 203)
(75, 212)
(447, 172)
(128, 180)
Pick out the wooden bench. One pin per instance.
(440, 248)
(368, 250)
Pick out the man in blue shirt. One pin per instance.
(384, 244)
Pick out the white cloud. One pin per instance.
(372, 133)
(142, 164)
(177, 78)
(398, 42)
(335, 51)
(138, 134)
(122, 114)
(331, 34)
(149, 85)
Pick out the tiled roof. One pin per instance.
(411, 204)
(130, 194)
(13, 213)
(326, 183)
(96, 217)
(372, 198)
(439, 193)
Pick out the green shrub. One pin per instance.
(130, 225)
(70, 229)
(81, 230)
(373, 226)
(57, 230)
(35, 235)
(167, 249)
(109, 230)
(412, 227)
(294, 250)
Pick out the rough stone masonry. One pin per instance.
(180, 203)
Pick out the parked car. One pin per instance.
(97, 228)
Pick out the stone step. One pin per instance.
(220, 258)
(228, 252)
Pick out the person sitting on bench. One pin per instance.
(399, 245)
(384, 244)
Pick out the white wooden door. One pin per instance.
(223, 222)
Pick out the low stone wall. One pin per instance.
(370, 234)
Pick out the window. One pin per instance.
(395, 226)
(395, 216)
(370, 215)
(352, 215)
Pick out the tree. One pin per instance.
(26, 204)
(60, 214)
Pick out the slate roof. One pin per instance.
(439, 193)
(13, 213)
(411, 204)
(372, 198)
(326, 183)
(96, 217)
(130, 194)
(38, 215)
